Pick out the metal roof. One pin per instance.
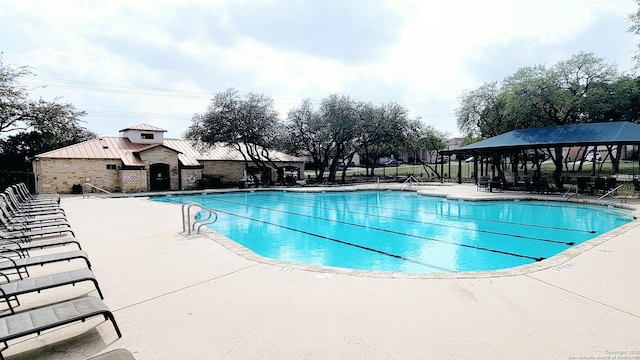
(144, 127)
(191, 153)
(554, 136)
(115, 148)
(120, 148)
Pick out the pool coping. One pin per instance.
(555, 262)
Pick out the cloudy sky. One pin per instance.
(159, 62)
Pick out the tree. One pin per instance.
(309, 136)
(384, 132)
(481, 111)
(570, 92)
(338, 113)
(371, 131)
(635, 29)
(333, 134)
(540, 97)
(537, 96)
(247, 123)
(20, 113)
(573, 91)
(13, 97)
(326, 134)
(16, 150)
(426, 138)
(35, 126)
(616, 101)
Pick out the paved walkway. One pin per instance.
(192, 297)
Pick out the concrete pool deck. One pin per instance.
(194, 297)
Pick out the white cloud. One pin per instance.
(422, 54)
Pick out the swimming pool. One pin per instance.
(402, 232)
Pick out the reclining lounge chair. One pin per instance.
(10, 290)
(28, 205)
(20, 264)
(14, 207)
(36, 320)
(23, 194)
(14, 215)
(32, 225)
(116, 354)
(23, 246)
(24, 191)
(30, 233)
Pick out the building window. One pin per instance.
(111, 166)
(147, 136)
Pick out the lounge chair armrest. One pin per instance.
(18, 218)
(4, 250)
(6, 241)
(6, 278)
(17, 227)
(23, 236)
(10, 259)
(11, 250)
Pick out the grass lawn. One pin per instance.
(451, 171)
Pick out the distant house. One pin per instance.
(430, 155)
(454, 144)
(142, 160)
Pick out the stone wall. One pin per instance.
(190, 177)
(233, 171)
(162, 155)
(228, 171)
(59, 175)
(133, 180)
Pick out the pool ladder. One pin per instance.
(187, 226)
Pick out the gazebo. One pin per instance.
(530, 145)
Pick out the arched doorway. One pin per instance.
(159, 179)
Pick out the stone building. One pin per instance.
(142, 160)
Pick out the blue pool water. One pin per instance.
(402, 231)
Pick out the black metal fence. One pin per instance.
(8, 178)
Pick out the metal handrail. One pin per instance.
(608, 193)
(413, 179)
(186, 220)
(564, 196)
(186, 224)
(410, 181)
(84, 194)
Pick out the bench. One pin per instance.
(36, 320)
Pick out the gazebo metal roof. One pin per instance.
(554, 136)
